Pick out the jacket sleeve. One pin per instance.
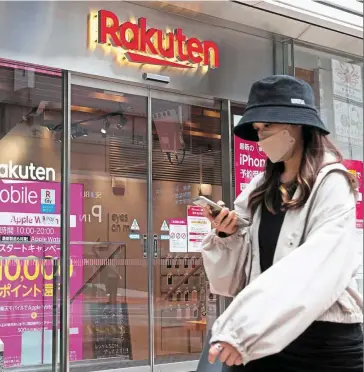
(226, 259)
(281, 303)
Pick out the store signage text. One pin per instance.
(18, 196)
(92, 194)
(154, 46)
(27, 172)
(119, 222)
(96, 212)
(247, 160)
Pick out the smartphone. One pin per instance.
(203, 202)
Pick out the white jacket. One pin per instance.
(307, 282)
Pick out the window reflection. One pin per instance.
(30, 97)
(109, 157)
(186, 163)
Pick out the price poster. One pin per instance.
(198, 227)
(29, 234)
(177, 235)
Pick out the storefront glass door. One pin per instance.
(138, 293)
(109, 293)
(186, 163)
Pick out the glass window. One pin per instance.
(109, 295)
(338, 85)
(30, 104)
(186, 163)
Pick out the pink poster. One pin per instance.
(249, 161)
(30, 212)
(356, 168)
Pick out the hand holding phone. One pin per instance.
(221, 218)
(214, 208)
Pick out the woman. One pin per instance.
(289, 250)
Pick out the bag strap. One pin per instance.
(312, 201)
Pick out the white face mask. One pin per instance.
(279, 146)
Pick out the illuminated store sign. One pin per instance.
(27, 172)
(152, 46)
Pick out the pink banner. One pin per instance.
(356, 168)
(249, 161)
(30, 212)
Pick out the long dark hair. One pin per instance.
(315, 146)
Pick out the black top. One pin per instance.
(269, 230)
(322, 347)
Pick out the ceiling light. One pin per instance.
(122, 121)
(78, 131)
(109, 92)
(49, 127)
(106, 126)
(211, 114)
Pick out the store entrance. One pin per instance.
(109, 157)
(186, 163)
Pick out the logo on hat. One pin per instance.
(298, 101)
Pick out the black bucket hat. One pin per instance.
(280, 99)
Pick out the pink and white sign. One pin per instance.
(249, 161)
(178, 235)
(356, 168)
(198, 227)
(30, 213)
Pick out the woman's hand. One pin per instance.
(226, 221)
(225, 353)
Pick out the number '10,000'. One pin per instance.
(30, 268)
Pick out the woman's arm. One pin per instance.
(225, 259)
(281, 303)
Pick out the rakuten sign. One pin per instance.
(137, 40)
(27, 172)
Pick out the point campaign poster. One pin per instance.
(30, 212)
